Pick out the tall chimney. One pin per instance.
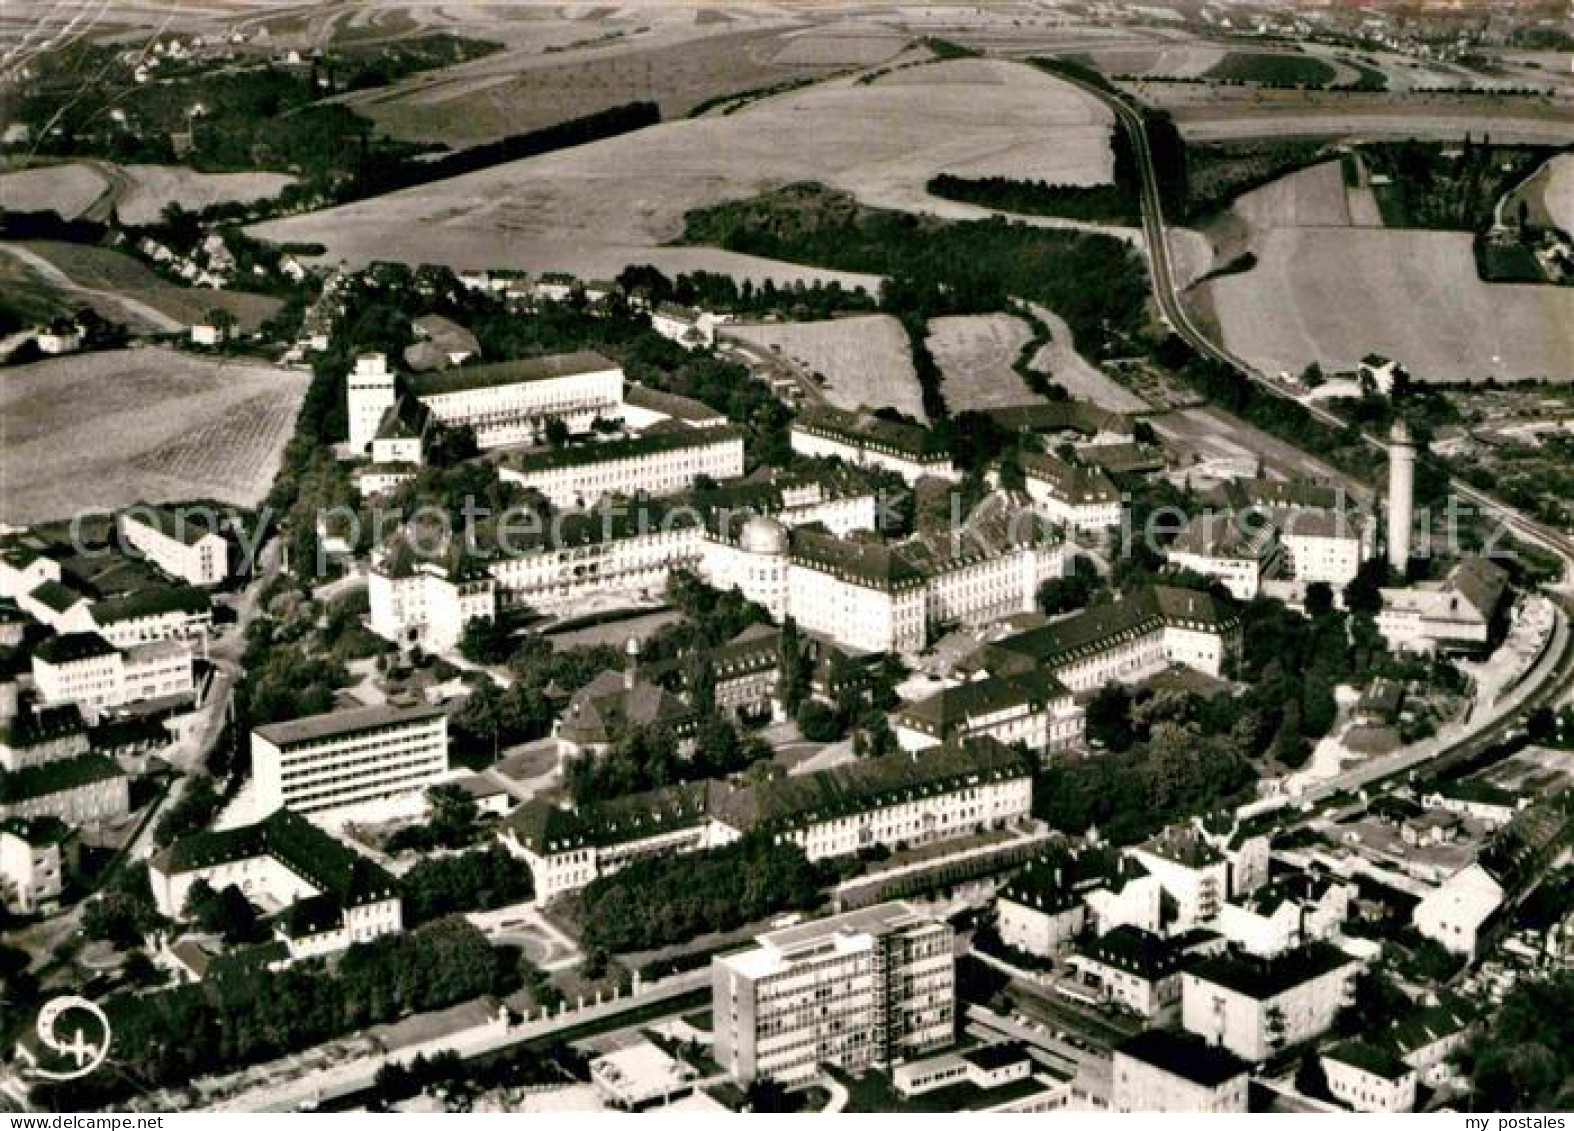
(1401, 494)
(631, 668)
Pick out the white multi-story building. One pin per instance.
(1219, 546)
(946, 794)
(1456, 913)
(372, 393)
(858, 990)
(689, 327)
(1127, 640)
(1081, 498)
(1454, 614)
(1287, 913)
(333, 897)
(1136, 970)
(349, 757)
(1193, 873)
(1369, 1079)
(426, 605)
(1325, 545)
(510, 402)
(32, 863)
(663, 461)
(868, 441)
(182, 544)
(184, 612)
(1256, 1006)
(1176, 1073)
(1035, 710)
(89, 671)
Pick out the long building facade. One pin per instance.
(349, 757)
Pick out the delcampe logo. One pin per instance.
(73, 1038)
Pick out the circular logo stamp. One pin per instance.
(75, 1035)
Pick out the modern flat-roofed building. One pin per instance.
(333, 897)
(183, 611)
(81, 668)
(182, 543)
(857, 990)
(349, 757)
(663, 461)
(1166, 1071)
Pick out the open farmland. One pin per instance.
(70, 189)
(579, 210)
(1548, 196)
(104, 430)
(679, 66)
(152, 187)
(121, 288)
(138, 193)
(1334, 295)
(865, 360)
(1085, 381)
(976, 354)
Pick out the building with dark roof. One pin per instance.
(1133, 969)
(1368, 1078)
(331, 895)
(1069, 494)
(867, 440)
(614, 705)
(1257, 1006)
(510, 402)
(81, 789)
(1162, 1070)
(1127, 639)
(1034, 709)
(36, 857)
(153, 615)
(893, 800)
(666, 459)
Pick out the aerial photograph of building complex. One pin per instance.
(791, 556)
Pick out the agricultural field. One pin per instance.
(69, 189)
(152, 187)
(1334, 295)
(679, 66)
(977, 354)
(1548, 196)
(121, 288)
(578, 210)
(1085, 381)
(138, 193)
(1311, 198)
(865, 361)
(104, 430)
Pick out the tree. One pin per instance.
(819, 723)
(557, 433)
(226, 912)
(1109, 718)
(1319, 599)
(1363, 594)
(794, 667)
(486, 640)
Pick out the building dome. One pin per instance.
(763, 536)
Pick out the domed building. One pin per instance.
(759, 568)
